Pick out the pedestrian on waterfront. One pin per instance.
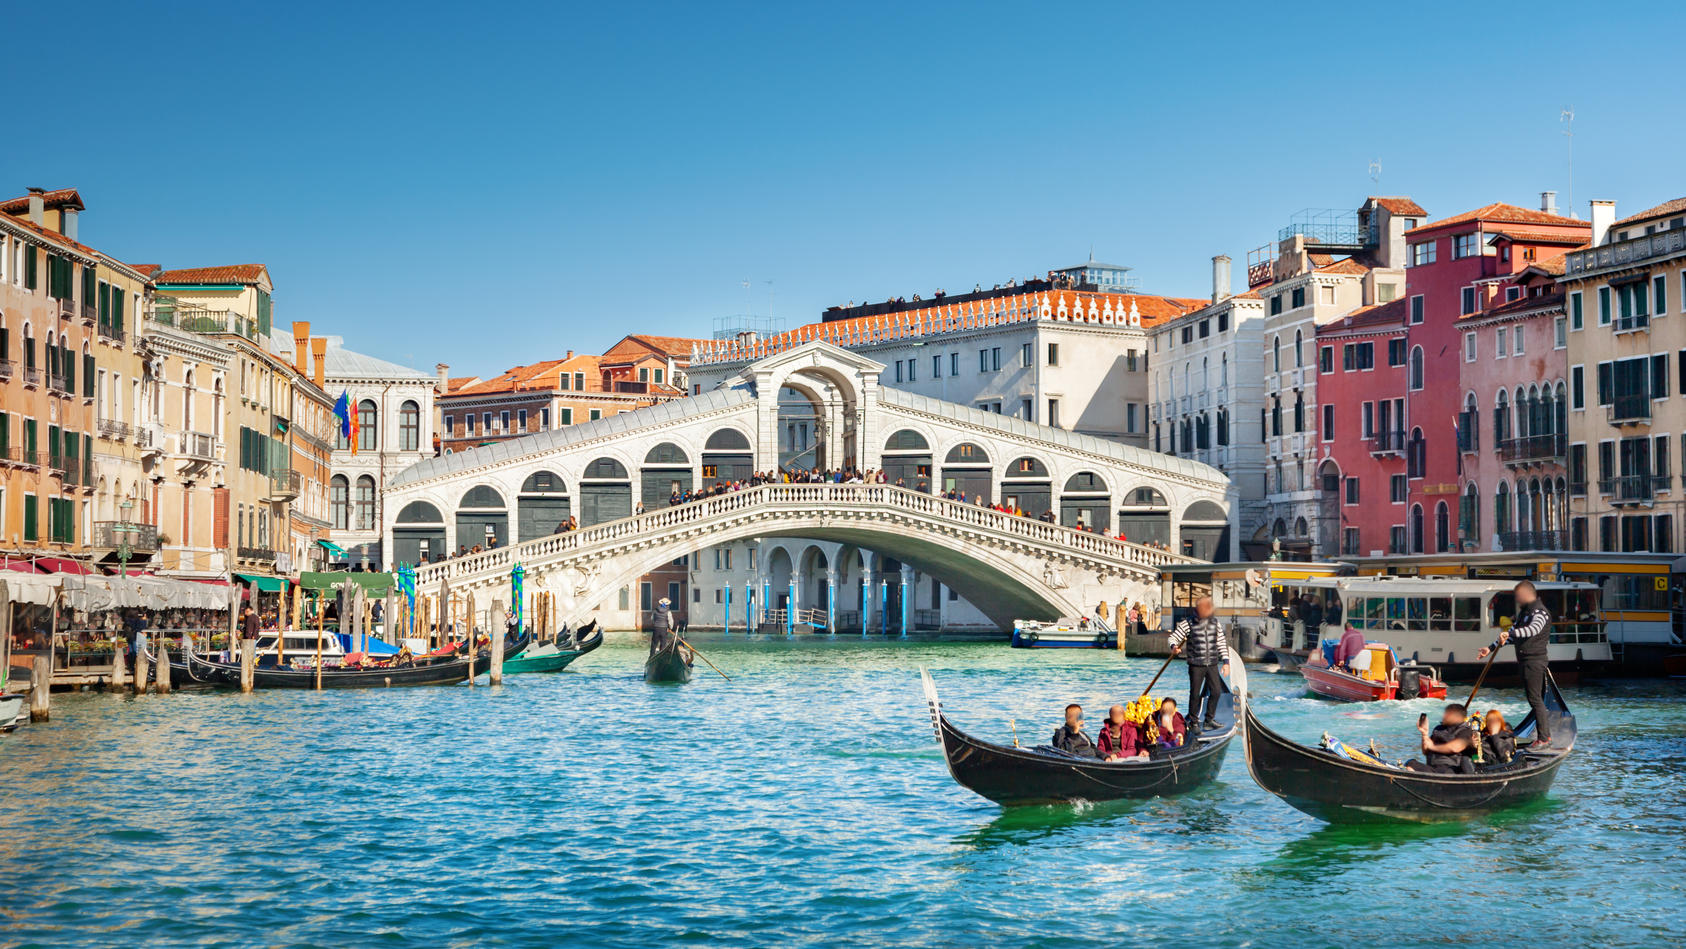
(249, 622)
(1531, 629)
(1208, 659)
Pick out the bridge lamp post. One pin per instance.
(866, 602)
(907, 575)
(790, 611)
(748, 607)
(831, 603)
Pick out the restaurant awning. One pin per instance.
(376, 584)
(66, 565)
(37, 589)
(261, 583)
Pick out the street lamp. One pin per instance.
(124, 528)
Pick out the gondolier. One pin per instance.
(661, 625)
(1208, 655)
(1531, 631)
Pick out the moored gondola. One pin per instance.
(1010, 775)
(555, 654)
(668, 664)
(446, 670)
(1340, 788)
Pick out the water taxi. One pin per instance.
(1069, 632)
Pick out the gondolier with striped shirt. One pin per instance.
(1530, 632)
(1208, 658)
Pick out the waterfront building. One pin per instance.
(1361, 375)
(1207, 391)
(395, 411)
(1625, 296)
(1513, 359)
(122, 527)
(49, 293)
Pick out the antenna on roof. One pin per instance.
(1376, 172)
(1567, 117)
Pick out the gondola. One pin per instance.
(1012, 776)
(555, 654)
(1334, 788)
(446, 670)
(668, 665)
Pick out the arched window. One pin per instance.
(1299, 349)
(1442, 528)
(339, 490)
(367, 424)
(1416, 528)
(1501, 418)
(187, 400)
(1223, 371)
(365, 503)
(28, 350)
(1501, 509)
(1416, 368)
(216, 407)
(1469, 514)
(409, 426)
(1276, 354)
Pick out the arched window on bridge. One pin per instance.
(1026, 486)
(666, 472)
(418, 535)
(726, 457)
(966, 470)
(605, 492)
(1204, 531)
(1144, 516)
(907, 460)
(1086, 502)
(542, 507)
(482, 518)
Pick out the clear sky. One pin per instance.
(492, 183)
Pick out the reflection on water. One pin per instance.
(802, 803)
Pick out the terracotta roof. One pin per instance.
(1552, 266)
(1320, 260)
(1500, 213)
(1399, 205)
(1550, 300)
(1677, 206)
(1345, 265)
(1519, 235)
(233, 273)
(51, 234)
(61, 198)
(150, 270)
(535, 377)
(1366, 317)
(457, 382)
(636, 344)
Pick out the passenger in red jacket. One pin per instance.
(1170, 723)
(1120, 739)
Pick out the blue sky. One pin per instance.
(493, 183)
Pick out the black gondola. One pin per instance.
(668, 664)
(446, 670)
(1043, 775)
(1334, 788)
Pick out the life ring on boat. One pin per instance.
(1100, 639)
(1031, 638)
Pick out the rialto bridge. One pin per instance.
(616, 476)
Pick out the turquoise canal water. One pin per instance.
(802, 803)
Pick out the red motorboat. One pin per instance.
(1375, 675)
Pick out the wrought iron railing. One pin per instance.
(1534, 540)
(1533, 449)
(1387, 443)
(114, 534)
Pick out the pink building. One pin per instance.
(1361, 385)
(1512, 430)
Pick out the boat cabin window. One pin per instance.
(1440, 613)
(1502, 604)
(1417, 613)
(1466, 615)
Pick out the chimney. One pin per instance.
(1220, 277)
(1548, 202)
(301, 346)
(569, 356)
(67, 222)
(1603, 215)
(318, 353)
(37, 206)
(444, 373)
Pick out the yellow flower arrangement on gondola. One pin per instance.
(1142, 713)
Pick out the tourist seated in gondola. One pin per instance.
(1449, 747)
(1070, 738)
(1497, 740)
(1120, 739)
(1169, 722)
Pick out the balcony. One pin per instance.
(14, 455)
(113, 429)
(256, 553)
(1534, 540)
(57, 383)
(1629, 253)
(1273, 383)
(8, 367)
(284, 485)
(1628, 489)
(31, 376)
(1387, 443)
(111, 334)
(67, 308)
(1532, 450)
(110, 535)
(89, 314)
(1629, 409)
(1638, 323)
(66, 468)
(197, 445)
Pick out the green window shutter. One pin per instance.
(31, 257)
(52, 443)
(29, 435)
(5, 432)
(5, 344)
(68, 360)
(30, 525)
(88, 376)
(105, 304)
(87, 459)
(117, 309)
(90, 285)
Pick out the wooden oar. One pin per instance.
(1156, 675)
(1469, 706)
(699, 655)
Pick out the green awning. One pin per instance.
(376, 584)
(262, 584)
(332, 547)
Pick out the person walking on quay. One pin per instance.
(1531, 629)
(1208, 658)
(249, 622)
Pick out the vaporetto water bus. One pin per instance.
(1437, 621)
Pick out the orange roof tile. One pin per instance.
(1367, 317)
(232, 273)
(51, 234)
(1399, 205)
(61, 198)
(1500, 213)
(636, 344)
(1519, 235)
(1345, 265)
(1677, 206)
(150, 270)
(1551, 299)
